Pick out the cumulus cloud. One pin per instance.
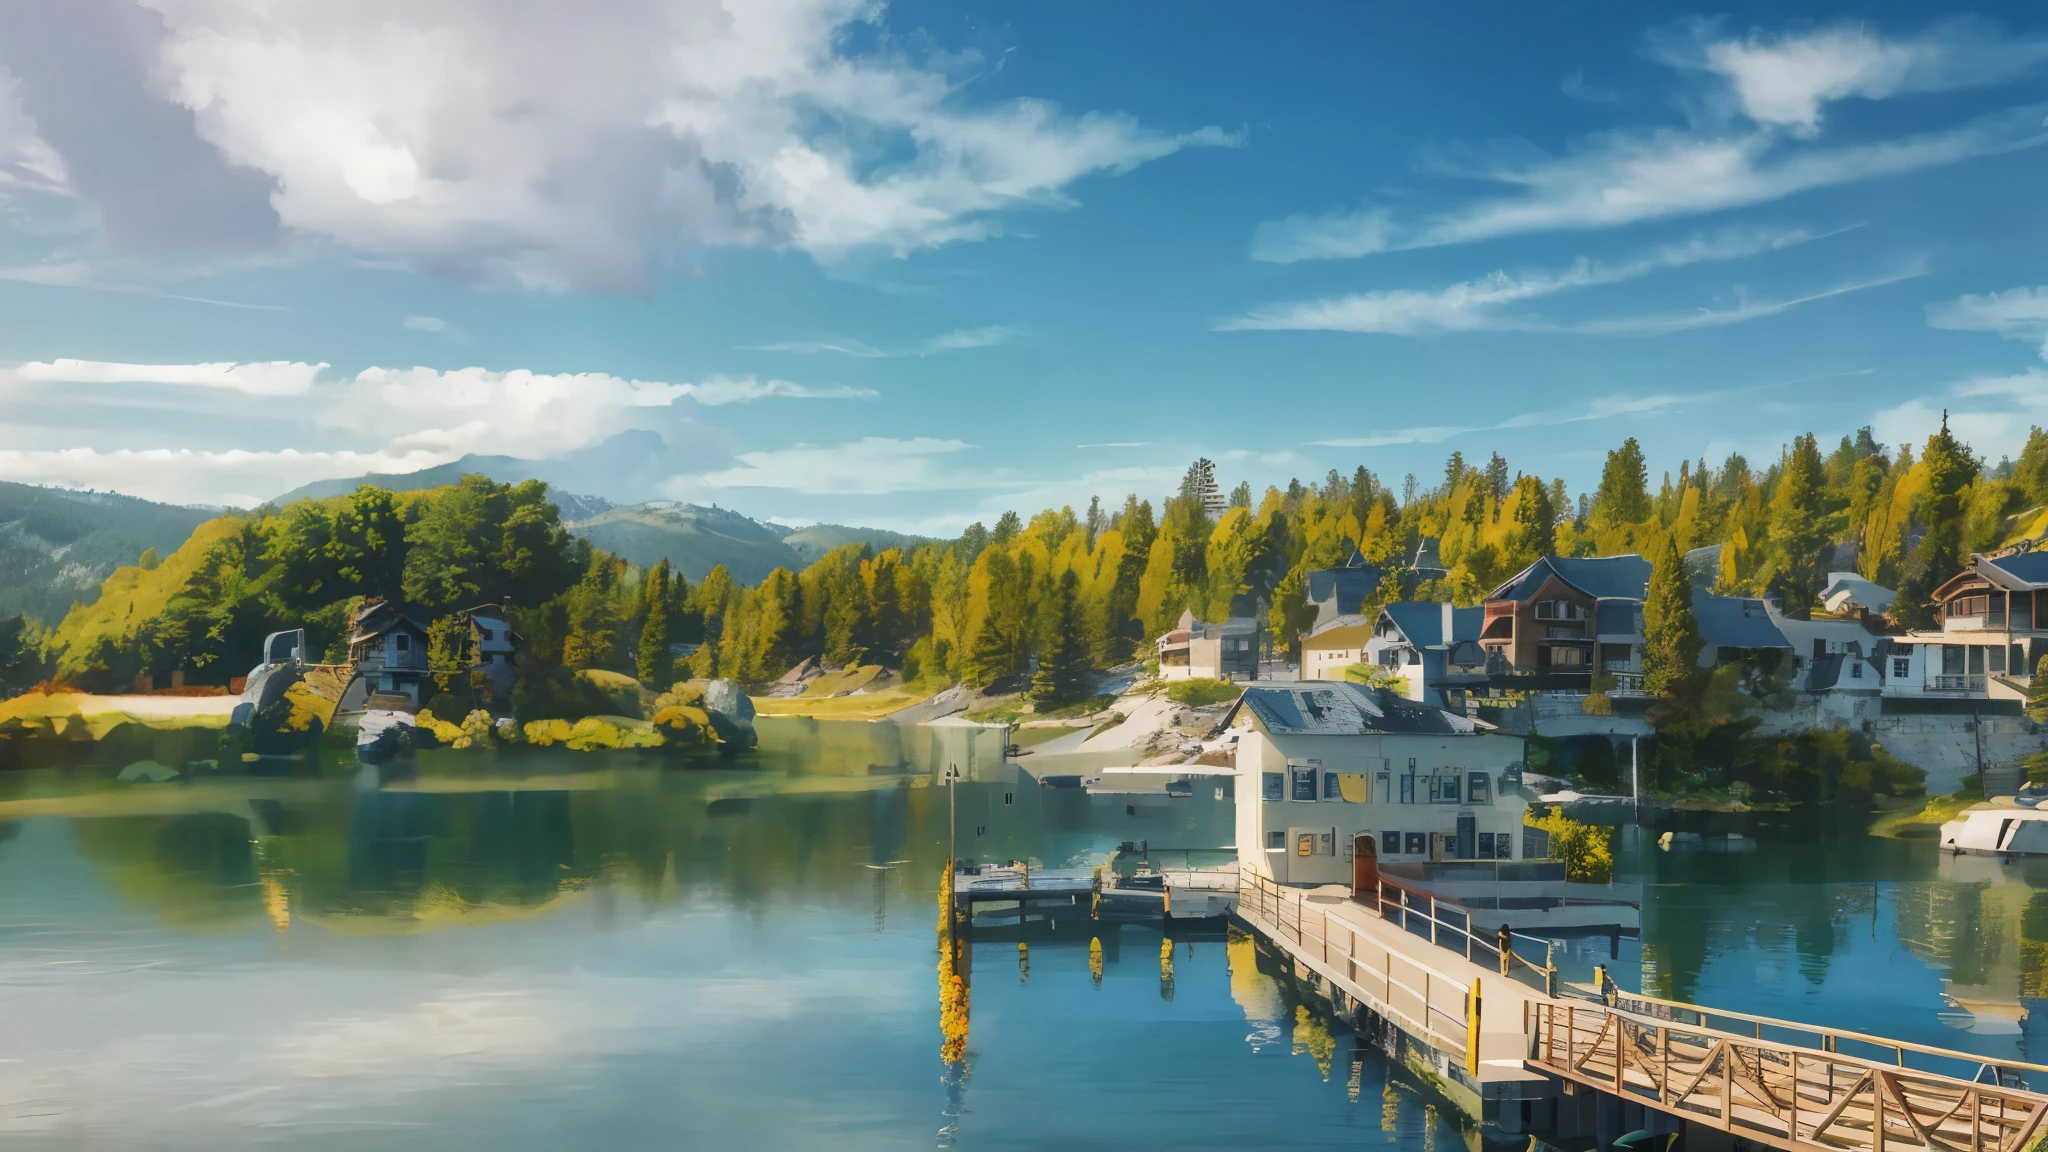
(870, 466)
(1484, 304)
(2017, 314)
(571, 147)
(380, 419)
(1764, 150)
(1786, 80)
(275, 378)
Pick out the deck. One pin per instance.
(1502, 1028)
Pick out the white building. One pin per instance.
(1992, 635)
(1329, 772)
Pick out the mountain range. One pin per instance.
(56, 545)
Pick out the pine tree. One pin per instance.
(1949, 469)
(1671, 651)
(1798, 536)
(1623, 496)
(651, 660)
(1535, 523)
(1199, 486)
(1063, 671)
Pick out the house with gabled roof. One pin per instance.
(1567, 617)
(1991, 635)
(1432, 647)
(389, 650)
(1343, 590)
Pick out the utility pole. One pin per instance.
(952, 819)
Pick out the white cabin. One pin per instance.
(1329, 770)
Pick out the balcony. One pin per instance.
(1956, 684)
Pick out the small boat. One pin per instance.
(2001, 827)
(2031, 796)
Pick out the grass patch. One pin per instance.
(1914, 823)
(1201, 693)
(132, 595)
(844, 680)
(867, 706)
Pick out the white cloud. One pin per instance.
(958, 340)
(425, 324)
(716, 390)
(2017, 314)
(275, 378)
(1778, 84)
(232, 477)
(1602, 408)
(1989, 413)
(1484, 303)
(1786, 80)
(562, 148)
(1743, 312)
(870, 466)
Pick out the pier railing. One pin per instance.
(1790, 1096)
(1421, 1000)
(1450, 925)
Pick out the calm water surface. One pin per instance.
(551, 951)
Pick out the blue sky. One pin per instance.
(911, 266)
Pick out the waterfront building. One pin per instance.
(389, 651)
(1561, 618)
(1329, 773)
(1433, 648)
(1990, 635)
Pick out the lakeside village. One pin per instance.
(1430, 711)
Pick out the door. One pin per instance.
(1468, 836)
(1365, 869)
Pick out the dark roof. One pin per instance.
(1235, 626)
(2024, 568)
(1422, 622)
(1318, 708)
(1703, 565)
(1350, 585)
(1736, 622)
(1601, 577)
(376, 617)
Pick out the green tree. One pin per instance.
(1798, 539)
(2030, 472)
(2037, 693)
(651, 659)
(1671, 652)
(1063, 671)
(1534, 532)
(367, 543)
(1950, 468)
(1624, 495)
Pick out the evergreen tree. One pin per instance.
(2030, 472)
(1950, 468)
(1063, 671)
(1623, 496)
(1497, 476)
(651, 661)
(1799, 542)
(1534, 533)
(1007, 527)
(1671, 651)
(1199, 487)
(1097, 520)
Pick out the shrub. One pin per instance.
(686, 726)
(1200, 693)
(1586, 849)
(596, 733)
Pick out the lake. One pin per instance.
(551, 950)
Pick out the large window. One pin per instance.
(1418, 843)
(1408, 788)
(1390, 843)
(1478, 789)
(1303, 785)
(1444, 789)
(1273, 785)
(1902, 667)
(1560, 610)
(1330, 789)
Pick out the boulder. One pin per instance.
(732, 714)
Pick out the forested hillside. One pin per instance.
(1074, 591)
(57, 545)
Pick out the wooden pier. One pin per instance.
(1493, 1030)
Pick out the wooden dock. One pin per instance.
(1491, 1030)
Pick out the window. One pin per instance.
(1855, 669)
(1444, 789)
(1976, 661)
(1559, 610)
(1276, 841)
(1902, 667)
(2018, 661)
(1996, 616)
(1390, 843)
(1994, 659)
(1304, 782)
(1408, 788)
(1478, 789)
(1486, 845)
(1951, 659)
(1330, 789)
(1418, 843)
(1566, 657)
(1504, 846)
(1326, 842)
(1273, 786)
(402, 642)
(1380, 785)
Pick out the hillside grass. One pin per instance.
(67, 714)
(132, 595)
(866, 706)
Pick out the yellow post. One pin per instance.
(1472, 1029)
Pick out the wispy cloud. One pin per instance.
(1753, 144)
(1743, 312)
(1990, 413)
(425, 324)
(1118, 444)
(1486, 304)
(1575, 86)
(1604, 408)
(958, 340)
(2016, 314)
(717, 390)
(870, 466)
(275, 378)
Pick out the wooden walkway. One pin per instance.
(1782, 1083)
